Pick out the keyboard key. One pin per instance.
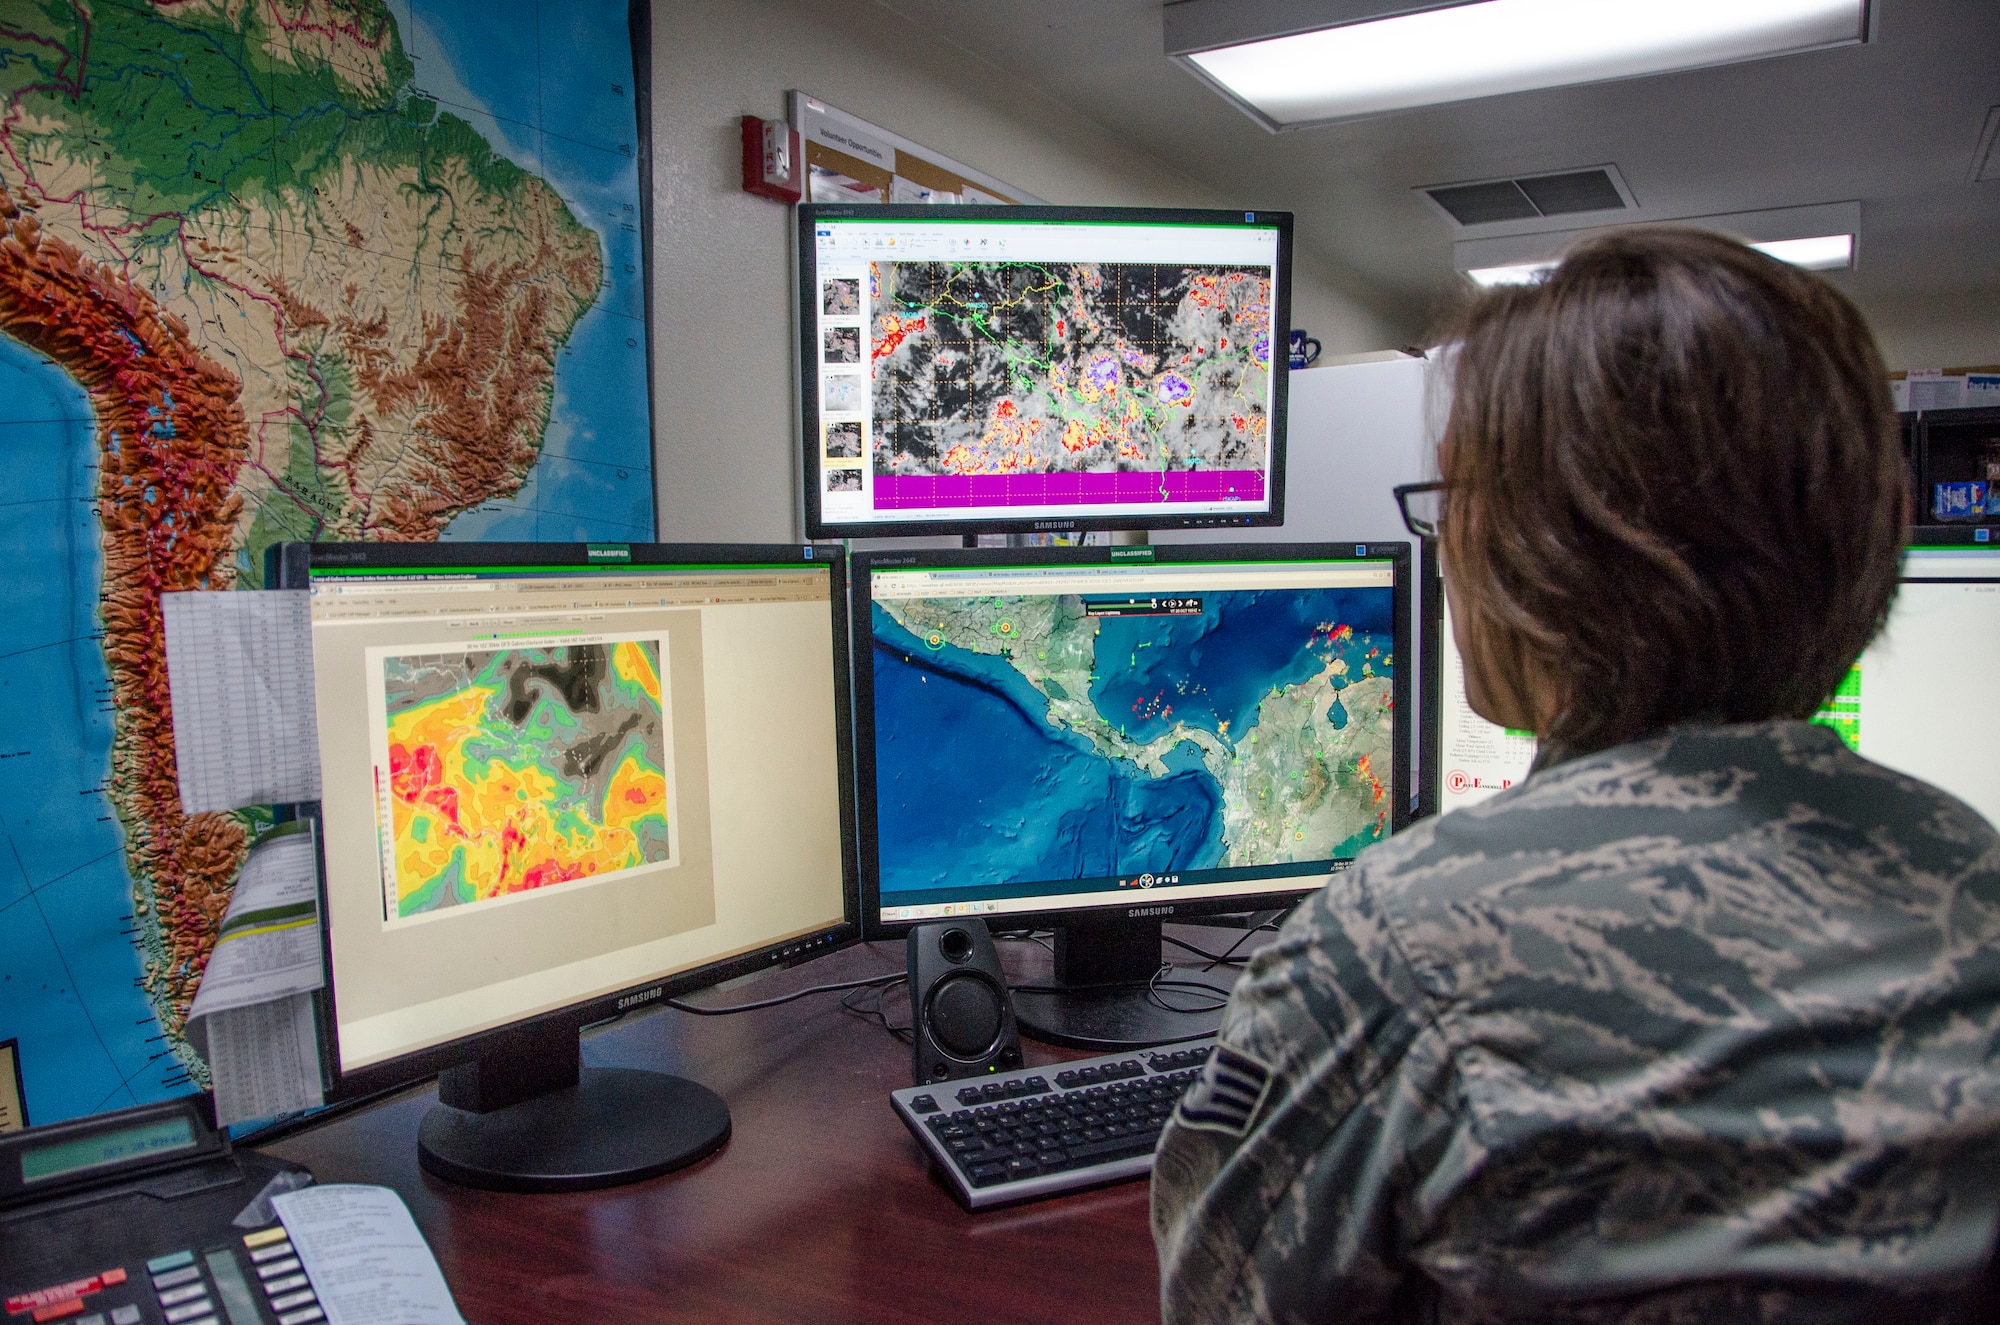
(301, 1316)
(175, 1278)
(171, 1261)
(270, 1251)
(276, 1268)
(924, 1104)
(125, 1315)
(189, 1311)
(290, 1300)
(173, 1297)
(57, 1310)
(286, 1284)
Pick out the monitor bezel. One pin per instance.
(1966, 535)
(864, 563)
(807, 292)
(292, 564)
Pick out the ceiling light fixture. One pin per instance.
(1819, 253)
(1488, 48)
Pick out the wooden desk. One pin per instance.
(820, 1209)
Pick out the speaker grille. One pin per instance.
(965, 1016)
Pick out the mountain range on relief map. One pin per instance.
(269, 269)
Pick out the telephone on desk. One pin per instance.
(148, 1216)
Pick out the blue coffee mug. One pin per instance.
(1304, 349)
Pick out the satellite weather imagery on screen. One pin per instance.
(520, 769)
(282, 269)
(1064, 740)
(1076, 368)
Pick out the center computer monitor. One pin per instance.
(560, 782)
(1915, 700)
(996, 369)
(1097, 738)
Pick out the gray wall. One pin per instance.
(726, 459)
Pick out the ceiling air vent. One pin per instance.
(1533, 196)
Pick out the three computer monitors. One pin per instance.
(1125, 730)
(1913, 700)
(563, 780)
(967, 369)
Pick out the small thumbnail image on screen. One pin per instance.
(843, 480)
(840, 296)
(843, 441)
(846, 393)
(843, 344)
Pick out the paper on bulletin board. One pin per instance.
(13, 1109)
(850, 160)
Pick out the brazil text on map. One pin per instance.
(1029, 739)
(1016, 368)
(298, 294)
(522, 769)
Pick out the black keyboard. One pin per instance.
(1038, 1131)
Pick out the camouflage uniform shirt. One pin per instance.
(1701, 1029)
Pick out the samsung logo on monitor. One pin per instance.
(1140, 912)
(1055, 524)
(643, 996)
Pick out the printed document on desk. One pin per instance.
(367, 1260)
(240, 674)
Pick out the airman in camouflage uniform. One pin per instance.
(1703, 1028)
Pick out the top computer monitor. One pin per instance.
(1906, 702)
(1024, 369)
(562, 781)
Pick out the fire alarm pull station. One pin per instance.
(773, 164)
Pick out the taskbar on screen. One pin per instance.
(1082, 894)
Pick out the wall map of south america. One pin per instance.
(269, 269)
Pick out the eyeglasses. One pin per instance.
(1422, 505)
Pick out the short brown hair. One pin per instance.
(1675, 486)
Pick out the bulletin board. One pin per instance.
(850, 160)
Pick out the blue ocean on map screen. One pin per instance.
(974, 786)
(68, 971)
(1240, 648)
(595, 478)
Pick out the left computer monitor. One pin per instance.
(560, 782)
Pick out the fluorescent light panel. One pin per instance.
(1819, 253)
(1494, 47)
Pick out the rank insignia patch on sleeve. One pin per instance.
(1228, 1093)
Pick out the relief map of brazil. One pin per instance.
(269, 270)
(1049, 738)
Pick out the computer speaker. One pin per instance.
(961, 1020)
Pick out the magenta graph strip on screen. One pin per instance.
(945, 491)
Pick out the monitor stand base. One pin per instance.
(1110, 1018)
(1100, 1000)
(540, 1122)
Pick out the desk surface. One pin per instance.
(820, 1208)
